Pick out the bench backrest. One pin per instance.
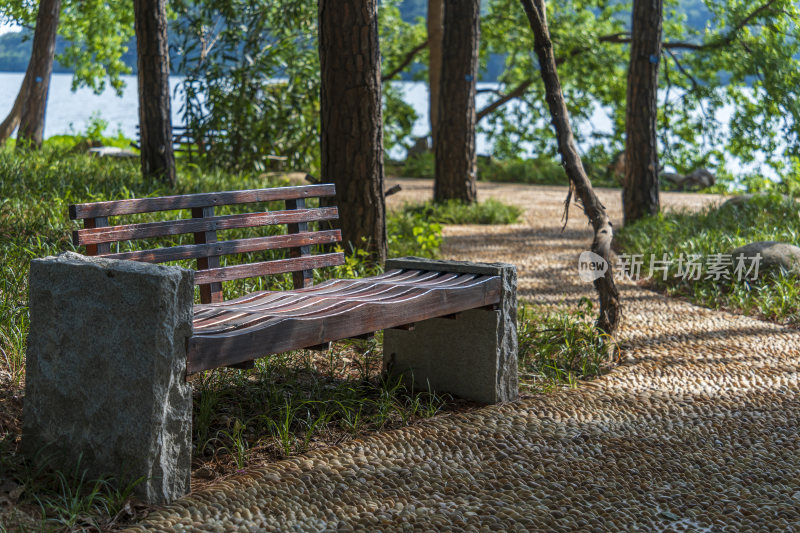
(98, 234)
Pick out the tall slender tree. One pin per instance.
(351, 152)
(456, 163)
(640, 187)
(31, 104)
(610, 306)
(155, 119)
(435, 34)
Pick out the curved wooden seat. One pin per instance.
(265, 323)
(235, 332)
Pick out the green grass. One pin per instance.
(489, 211)
(543, 170)
(776, 296)
(559, 348)
(288, 404)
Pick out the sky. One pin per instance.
(5, 28)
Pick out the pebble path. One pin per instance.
(696, 431)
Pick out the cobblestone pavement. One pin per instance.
(697, 431)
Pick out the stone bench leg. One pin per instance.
(473, 356)
(106, 371)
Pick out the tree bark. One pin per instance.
(435, 35)
(37, 76)
(640, 187)
(456, 163)
(610, 305)
(351, 120)
(11, 121)
(155, 119)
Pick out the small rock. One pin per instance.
(111, 151)
(773, 255)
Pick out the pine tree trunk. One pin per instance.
(351, 120)
(610, 306)
(155, 119)
(40, 69)
(640, 189)
(435, 34)
(456, 164)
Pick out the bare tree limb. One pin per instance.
(610, 306)
(518, 91)
(729, 38)
(409, 57)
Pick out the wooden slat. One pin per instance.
(176, 227)
(272, 336)
(188, 201)
(300, 278)
(209, 292)
(267, 268)
(98, 222)
(237, 246)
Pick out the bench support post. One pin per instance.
(473, 357)
(106, 372)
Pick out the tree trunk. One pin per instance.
(610, 306)
(456, 164)
(11, 121)
(40, 68)
(640, 188)
(155, 119)
(435, 33)
(351, 120)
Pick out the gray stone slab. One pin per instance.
(105, 371)
(473, 356)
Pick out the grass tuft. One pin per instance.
(558, 348)
(490, 211)
(720, 230)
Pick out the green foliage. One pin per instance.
(69, 500)
(412, 234)
(558, 348)
(592, 72)
(289, 402)
(720, 230)
(96, 36)
(252, 79)
(733, 55)
(490, 211)
(38, 186)
(418, 166)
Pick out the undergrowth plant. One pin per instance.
(489, 211)
(558, 348)
(775, 295)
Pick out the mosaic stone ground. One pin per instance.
(696, 431)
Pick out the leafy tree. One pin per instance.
(97, 34)
(155, 119)
(456, 163)
(610, 305)
(253, 78)
(350, 120)
(36, 84)
(640, 188)
(746, 59)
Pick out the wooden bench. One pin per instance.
(112, 338)
(185, 140)
(263, 323)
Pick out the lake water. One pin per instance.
(70, 112)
